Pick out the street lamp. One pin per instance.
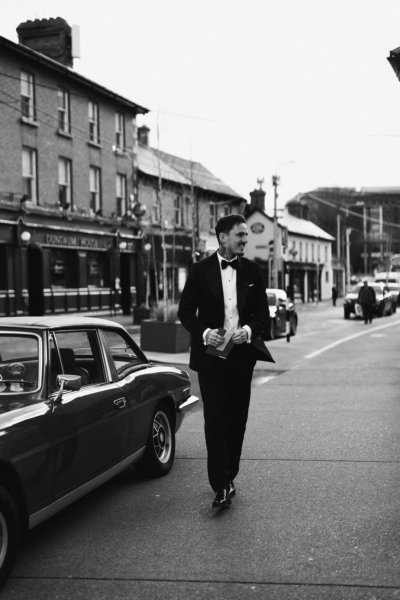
(348, 232)
(147, 249)
(274, 265)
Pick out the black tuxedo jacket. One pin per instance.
(202, 306)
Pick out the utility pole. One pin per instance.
(275, 183)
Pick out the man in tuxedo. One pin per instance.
(225, 290)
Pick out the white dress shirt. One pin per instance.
(231, 320)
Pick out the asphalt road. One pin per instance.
(316, 514)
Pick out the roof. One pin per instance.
(296, 226)
(53, 65)
(304, 227)
(195, 173)
(150, 164)
(51, 322)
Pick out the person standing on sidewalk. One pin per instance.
(225, 291)
(334, 295)
(367, 300)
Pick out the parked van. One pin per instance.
(391, 281)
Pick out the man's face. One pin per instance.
(235, 241)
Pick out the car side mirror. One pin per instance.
(67, 382)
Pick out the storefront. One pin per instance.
(48, 269)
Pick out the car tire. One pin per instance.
(10, 533)
(159, 455)
(293, 326)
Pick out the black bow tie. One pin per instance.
(225, 263)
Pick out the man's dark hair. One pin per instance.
(225, 224)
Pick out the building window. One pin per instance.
(64, 183)
(312, 253)
(225, 211)
(155, 212)
(28, 109)
(301, 251)
(306, 251)
(29, 174)
(64, 113)
(178, 210)
(95, 190)
(94, 125)
(326, 254)
(212, 215)
(121, 195)
(188, 212)
(120, 131)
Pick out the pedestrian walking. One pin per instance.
(334, 295)
(367, 300)
(224, 297)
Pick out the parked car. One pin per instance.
(383, 305)
(391, 281)
(79, 402)
(281, 310)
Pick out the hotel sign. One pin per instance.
(72, 241)
(257, 227)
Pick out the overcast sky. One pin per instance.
(301, 88)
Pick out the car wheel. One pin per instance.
(160, 448)
(10, 532)
(293, 326)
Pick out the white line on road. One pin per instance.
(351, 337)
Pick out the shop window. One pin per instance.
(29, 174)
(94, 123)
(121, 195)
(64, 113)
(28, 108)
(97, 270)
(63, 269)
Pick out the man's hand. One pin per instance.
(240, 336)
(213, 338)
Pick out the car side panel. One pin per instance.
(90, 433)
(26, 445)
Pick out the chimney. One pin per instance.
(51, 37)
(143, 136)
(257, 199)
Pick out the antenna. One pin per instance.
(76, 42)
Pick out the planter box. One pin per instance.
(159, 336)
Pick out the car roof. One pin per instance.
(55, 322)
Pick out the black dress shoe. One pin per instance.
(222, 499)
(232, 489)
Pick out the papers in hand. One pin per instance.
(223, 349)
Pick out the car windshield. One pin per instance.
(19, 363)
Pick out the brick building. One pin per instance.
(69, 238)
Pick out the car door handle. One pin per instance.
(120, 402)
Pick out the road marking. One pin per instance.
(351, 337)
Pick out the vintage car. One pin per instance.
(281, 311)
(79, 402)
(383, 305)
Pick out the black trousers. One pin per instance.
(368, 310)
(225, 388)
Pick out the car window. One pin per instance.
(123, 352)
(19, 363)
(271, 299)
(77, 352)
